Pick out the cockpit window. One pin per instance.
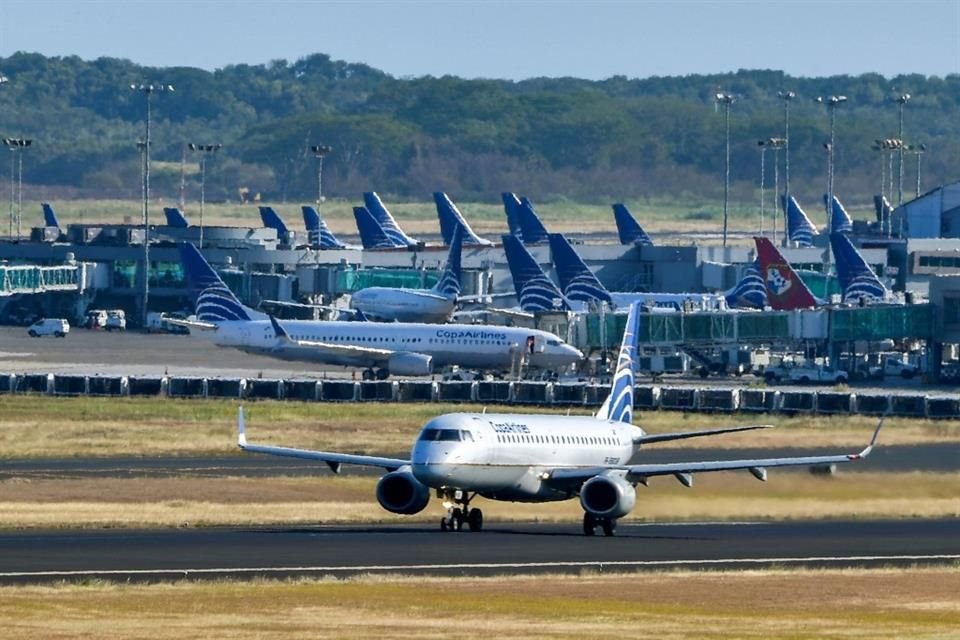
(553, 343)
(444, 435)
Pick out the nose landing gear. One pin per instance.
(590, 522)
(459, 512)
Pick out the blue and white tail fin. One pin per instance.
(535, 291)
(619, 404)
(212, 299)
(576, 280)
(175, 218)
(375, 206)
(272, 220)
(799, 228)
(449, 283)
(530, 224)
(840, 220)
(628, 228)
(49, 217)
(858, 281)
(750, 292)
(511, 206)
(372, 235)
(319, 235)
(451, 218)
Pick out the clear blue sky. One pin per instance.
(496, 39)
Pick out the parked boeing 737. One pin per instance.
(858, 282)
(379, 211)
(175, 218)
(450, 218)
(800, 230)
(539, 458)
(414, 349)
(319, 235)
(786, 290)
(628, 229)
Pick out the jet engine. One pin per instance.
(400, 492)
(608, 496)
(410, 364)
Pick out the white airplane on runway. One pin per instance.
(538, 458)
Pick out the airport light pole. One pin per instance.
(205, 150)
(726, 100)
(17, 146)
(774, 144)
(901, 101)
(787, 97)
(918, 150)
(832, 102)
(319, 151)
(763, 153)
(147, 90)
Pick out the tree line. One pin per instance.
(619, 138)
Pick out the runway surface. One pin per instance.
(936, 457)
(499, 549)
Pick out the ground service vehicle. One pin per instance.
(49, 327)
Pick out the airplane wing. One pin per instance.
(331, 347)
(683, 435)
(684, 470)
(333, 460)
(191, 324)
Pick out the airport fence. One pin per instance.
(652, 397)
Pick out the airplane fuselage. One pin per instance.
(504, 456)
(403, 305)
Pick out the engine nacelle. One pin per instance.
(608, 496)
(410, 364)
(400, 492)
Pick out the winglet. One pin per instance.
(873, 441)
(241, 429)
(280, 332)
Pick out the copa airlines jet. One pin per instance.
(538, 458)
(414, 349)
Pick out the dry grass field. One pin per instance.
(847, 604)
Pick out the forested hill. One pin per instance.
(559, 137)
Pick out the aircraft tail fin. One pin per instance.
(857, 280)
(372, 235)
(750, 292)
(799, 228)
(628, 228)
(576, 279)
(213, 301)
(451, 218)
(785, 290)
(318, 233)
(379, 211)
(618, 406)
(535, 291)
(530, 224)
(175, 218)
(840, 220)
(49, 217)
(511, 206)
(272, 220)
(449, 283)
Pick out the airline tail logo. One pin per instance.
(535, 291)
(785, 290)
(778, 279)
(213, 300)
(619, 404)
(751, 291)
(449, 283)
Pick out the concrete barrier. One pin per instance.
(718, 400)
(225, 387)
(645, 397)
(832, 402)
(382, 391)
(759, 400)
(69, 385)
(872, 405)
(34, 383)
(305, 390)
(568, 394)
(681, 398)
(595, 394)
(490, 391)
(529, 393)
(908, 406)
(339, 391)
(146, 386)
(798, 401)
(409, 391)
(940, 408)
(187, 387)
(107, 386)
(263, 389)
(8, 383)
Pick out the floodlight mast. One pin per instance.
(147, 90)
(319, 152)
(901, 101)
(17, 146)
(726, 100)
(205, 150)
(787, 97)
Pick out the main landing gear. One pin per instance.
(459, 512)
(374, 374)
(590, 522)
